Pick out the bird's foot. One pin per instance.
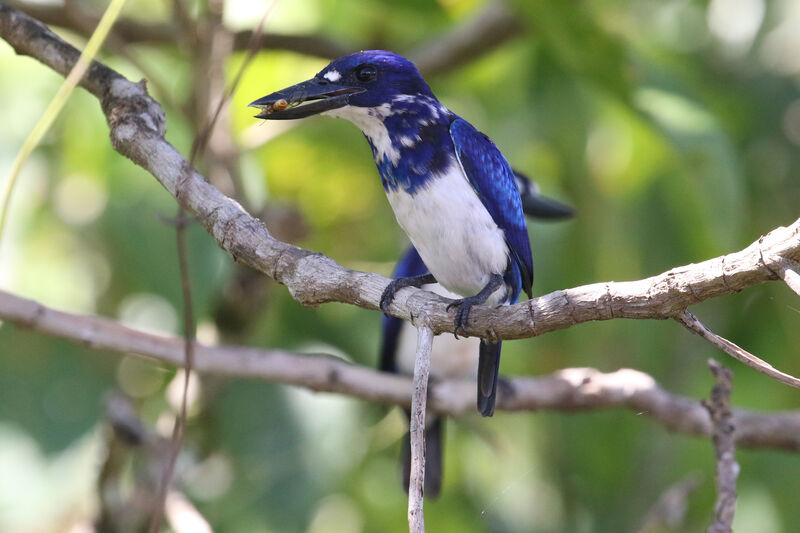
(400, 283)
(464, 305)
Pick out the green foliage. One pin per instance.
(674, 144)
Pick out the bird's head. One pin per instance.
(364, 79)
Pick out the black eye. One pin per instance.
(366, 73)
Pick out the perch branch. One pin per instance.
(137, 128)
(572, 389)
(719, 407)
(422, 365)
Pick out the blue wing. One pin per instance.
(493, 180)
(410, 265)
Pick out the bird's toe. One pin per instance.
(387, 297)
(462, 316)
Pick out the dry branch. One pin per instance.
(485, 31)
(137, 128)
(791, 276)
(422, 366)
(571, 389)
(73, 17)
(693, 324)
(719, 407)
(137, 131)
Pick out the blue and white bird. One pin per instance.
(451, 189)
(451, 358)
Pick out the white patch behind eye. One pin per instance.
(332, 75)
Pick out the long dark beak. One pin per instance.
(286, 104)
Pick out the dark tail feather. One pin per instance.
(434, 445)
(488, 368)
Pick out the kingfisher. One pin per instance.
(451, 190)
(450, 358)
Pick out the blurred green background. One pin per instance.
(671, 125)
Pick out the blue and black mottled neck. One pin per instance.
(421, 146)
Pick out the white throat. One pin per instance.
(370, 121)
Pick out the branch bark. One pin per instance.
(134, 32)
(569, 390)
(488, 29)
(422, 366)
(137, 128)
(693, 324)
(719, 407)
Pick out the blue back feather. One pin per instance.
(493, 180)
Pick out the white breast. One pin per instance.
(453, 233)
(450, 357)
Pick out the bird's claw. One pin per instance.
(400, 283)
(464, 306)
(388, 296)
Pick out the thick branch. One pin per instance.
(137, 127)
(137, 131)
(574, 389)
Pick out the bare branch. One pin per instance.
(719, 407)
(792, 278)
(133, 31)
(692, 323)
(422, 365)
(490, 27)
(571, 389)
(137, 128)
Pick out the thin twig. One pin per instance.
(791, 276)
(201, 140)
(189, 358)
(198, 146)
(570, 389)
(422, 364)
(692, 323)
(719, 407)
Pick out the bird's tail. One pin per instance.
(488, 368)
(434, 445)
